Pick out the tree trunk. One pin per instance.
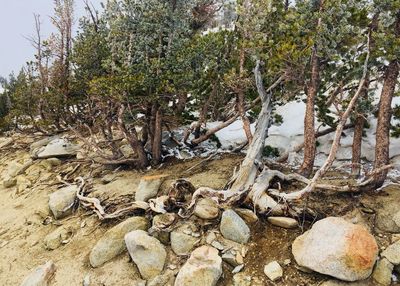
(156, 145)
(384, 117)
(357, 143)
(132, 137)
(240, 99)
(385, 114)
(309, 119)
(248, 169)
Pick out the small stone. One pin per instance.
(286, 262)
(237, 269)
(203, 268)
(273, 271)
(147, 253)
(62, 201)
(182, 242)
(86, 280)
(284, 222)
(148, 187)
(55, 239)
(9, 182)
(234, 228)
(247, 215)
(165, 279)
(206, 209)
(230, 259)
(392, 253)
(112, 243)
(239, 258)
(217, 245)
(241, 279)
(210, 237)
(41, 275)
(383, 272)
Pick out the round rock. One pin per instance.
(337, 248)
(206, 209)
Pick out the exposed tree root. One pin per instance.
(95, 205)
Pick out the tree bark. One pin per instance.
(384, 117)
(309, 119)
(248, 169)
(156, 145)
(385, 114)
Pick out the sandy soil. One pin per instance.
(24, 223)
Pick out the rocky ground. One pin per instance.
(350, 237)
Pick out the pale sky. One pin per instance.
(17, 22)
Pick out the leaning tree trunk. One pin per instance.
(384, 117)
(248, 169)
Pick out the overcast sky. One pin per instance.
(17, 22)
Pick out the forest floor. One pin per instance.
(25, 221)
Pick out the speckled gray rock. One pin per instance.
(233, 227)
(62, 201)
(58, 148)
(146, 252)
(392, 253)
(383, 272)
(148, 187)
(182, 239)
(112, 243)
(203, 268)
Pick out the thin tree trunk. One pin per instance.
(385, 114)
(309, 119)
(156, 146)
(357, 144)
(133, 140)
(384, 117)
(240, 99)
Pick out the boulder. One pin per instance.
(273, 271)
(234, 228)
(182, 239)
(203, 268)
(59, 236)
(161, 222)
(337, 248)
(146, 252)
(112, 243)
(341, 283)
(392, 253)
(206, 209)
(383, 272)
(386, 207)
(148, 187)
(62, 201)
(284, 222)
(41, 275)
(58, 148)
